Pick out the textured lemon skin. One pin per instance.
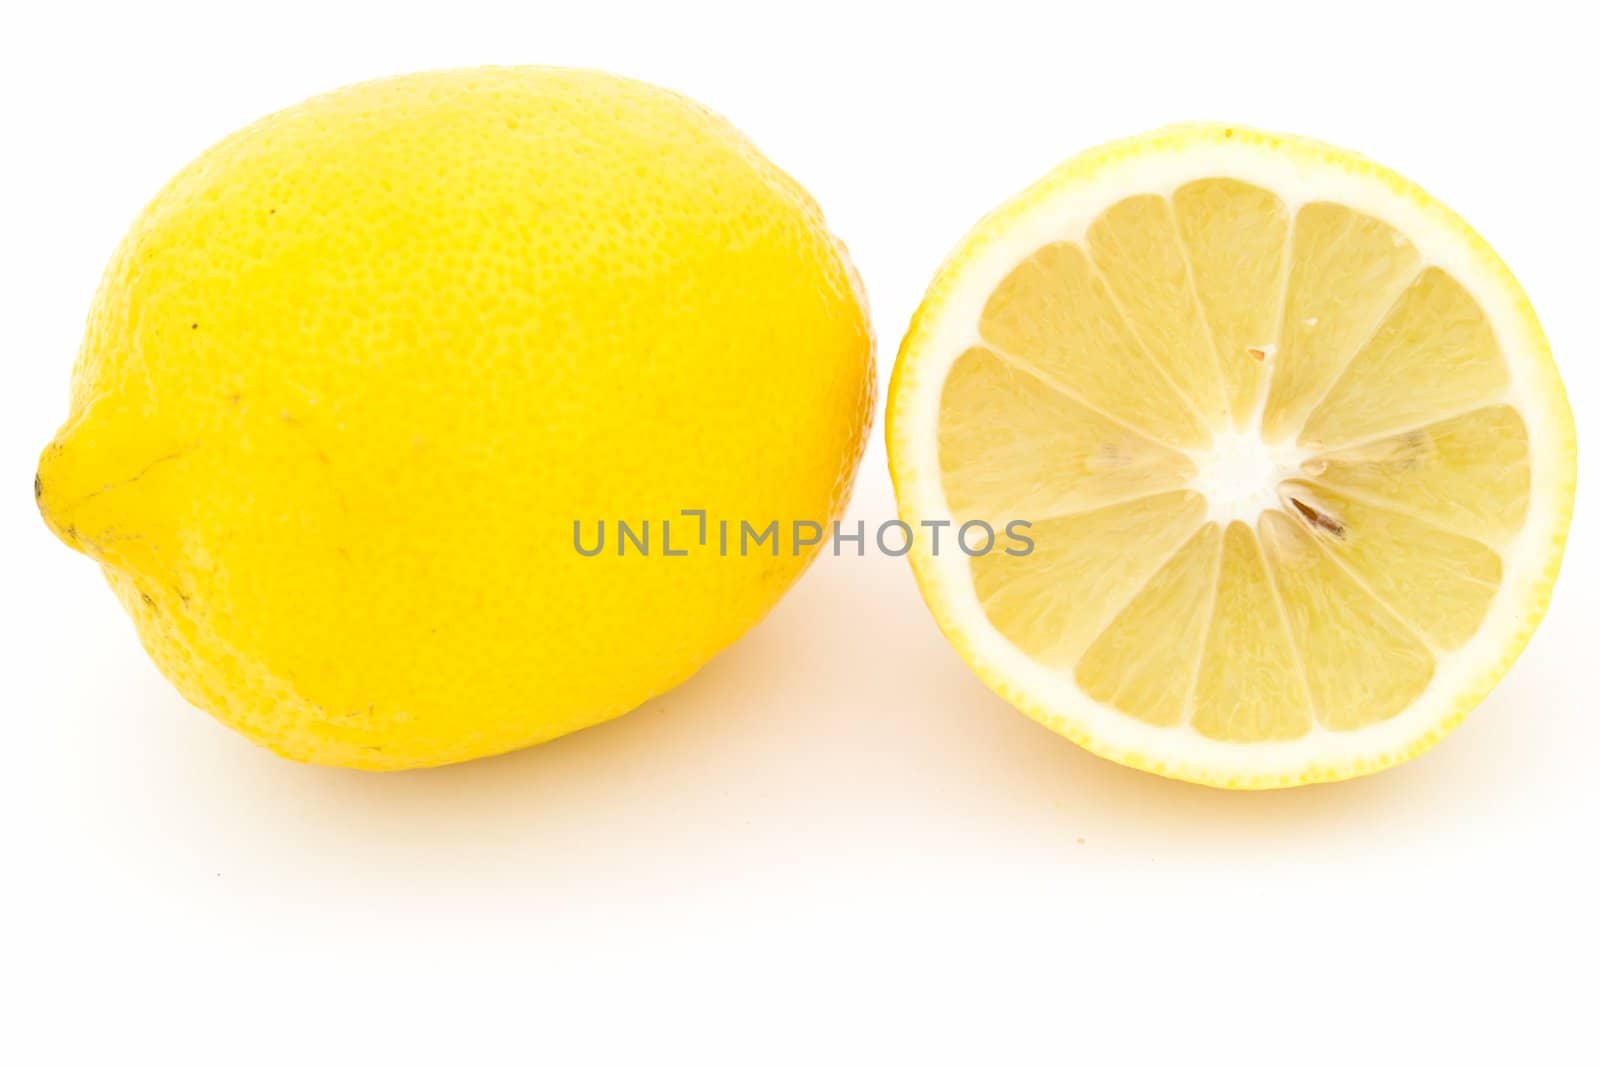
(355, 372)
(1560, 481)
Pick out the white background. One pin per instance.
(833, 845)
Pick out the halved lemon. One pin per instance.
(1293, 462)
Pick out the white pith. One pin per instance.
(1239, 475)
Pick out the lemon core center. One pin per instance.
(1240, 474)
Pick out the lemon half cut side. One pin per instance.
(1297, 461)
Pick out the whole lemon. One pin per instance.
(365, 383)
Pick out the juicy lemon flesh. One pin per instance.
(1267, 453)
(355, 374)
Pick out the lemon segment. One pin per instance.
(1136, 248)
(1014, 445)
(1435, 352)
(1296, 458)
(1470, 474)
(1345, 269)
(1053, 601)
(1440, 582)
(1361, 664)
(1233, 235)
(1144, 662)
(1251, 687)
(1053, 308)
